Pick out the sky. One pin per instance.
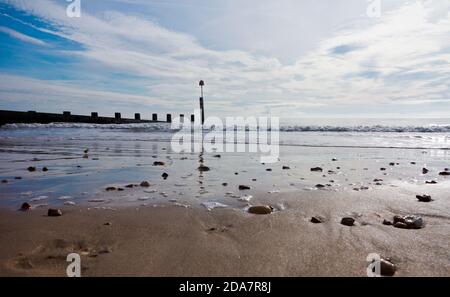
(288, 58)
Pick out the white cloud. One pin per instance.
(22, 37)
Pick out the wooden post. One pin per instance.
(117, 115)
(155, 117)
(169, 118)
(137, 116)
(66, 113)
(192, 118)
(94, 115)
(181, 118)
(202, 107)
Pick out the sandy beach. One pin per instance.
(131, 206)
(177, 241)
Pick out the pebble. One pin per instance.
(31, 169)
(268, 169)
(347, 221)
(25, 206)
(260, 209)
(286, 167)
(165, 175)
(444, 173)
(108, 189)
(425, 171)
(18, 177)
(224, 184)
(387, 268)
(424, 198)
(316, 220)
(244, 187)
(320, 186)
(159, 163)
(203, 168)
(317, 169)
(408, 222)
(432, 182)
(52, 212)
(387, 222)
(45, 169)
(145, 184)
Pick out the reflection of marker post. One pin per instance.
(201, 84)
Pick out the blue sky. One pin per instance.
(291, 58)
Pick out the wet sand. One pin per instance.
(176, 241)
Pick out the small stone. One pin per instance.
(120, 189)
(31, 169)
(224, 184)
(4, 181)
(86, 151)
(145, 184)
(387, 222)
(260, 209)
(392, 164)
(444, 173)
(45, 169)
(320, 186)
(334, 159)
(268, 169)
(159, 163)
(203, 168)
(108, 224)
(413, 163)
(382, 169)
(217, 156)
(25, 206)
(236, 173)
(425, 171)
(317, 169)
(165, 175)
(347, 221)
(52, 212)
(377, 180)
(253, 179)
(108, 189)
(286, 167)
(244, 187)
(18, 177)
(129, 186)
(424, 198)
(316, 220)
(387, 268)
(431, 182)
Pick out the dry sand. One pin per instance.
(177, 241)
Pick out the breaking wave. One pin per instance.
(166, 127)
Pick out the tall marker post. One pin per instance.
(202, 108)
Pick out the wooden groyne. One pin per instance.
(10, 117)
